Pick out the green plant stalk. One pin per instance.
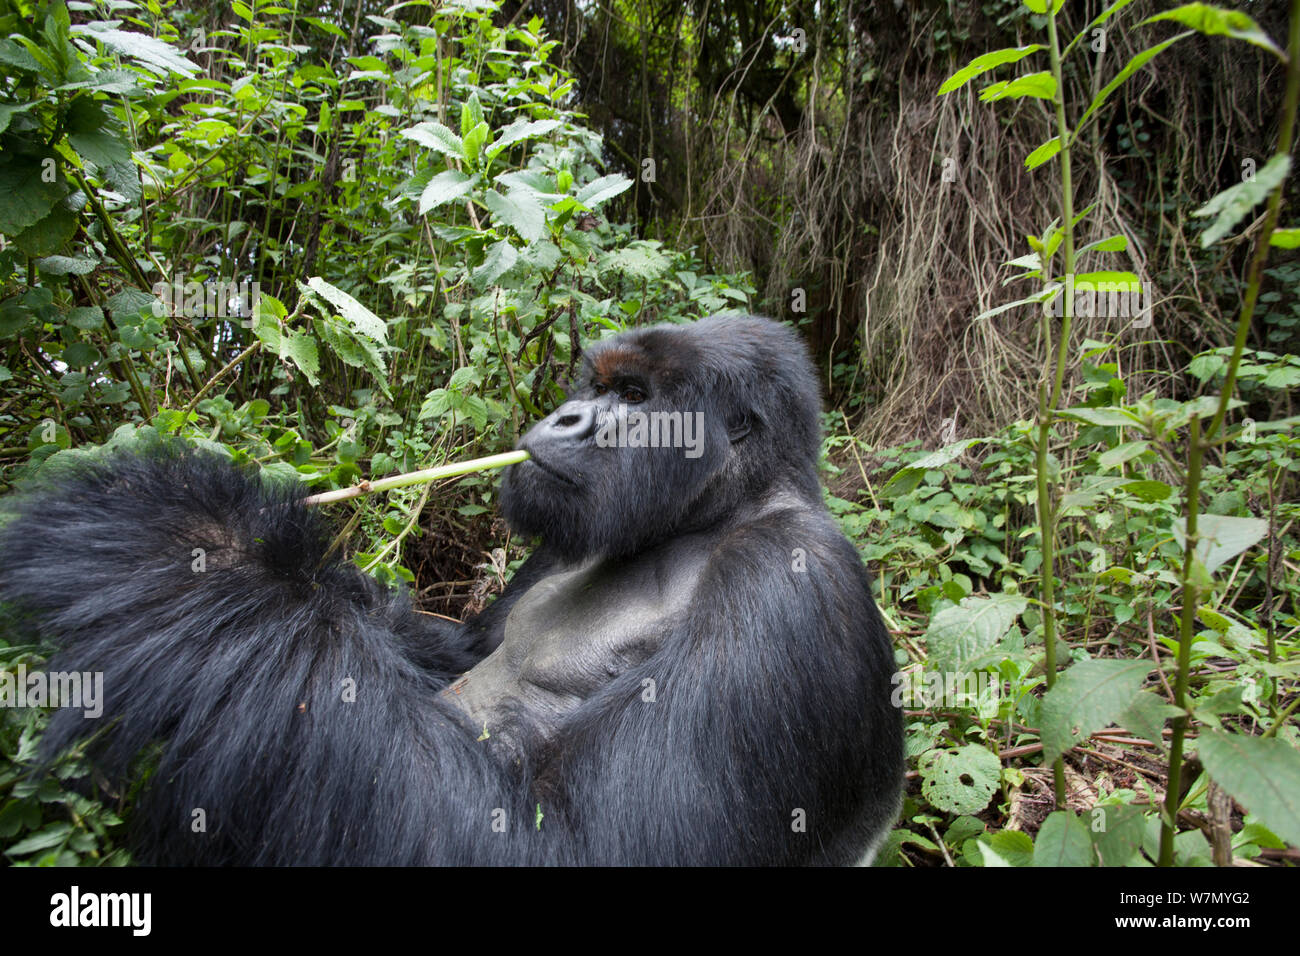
(1200, 443)
(1047, 406)
(419, 477)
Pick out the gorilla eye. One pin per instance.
(600, 388)
(633, 395)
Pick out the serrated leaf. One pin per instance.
(602, 189)
(1106, 417)
(1063, 840)
(1146, 717)
(153, 54)
(1132, 66)
(961, 780)
(437, 137)
(1263, 775)
(520, 210)
(500, 259)
(448, 185)
(1086, 698)
(360, 318)
(518, 131)
(1094, 489)
(962, 632)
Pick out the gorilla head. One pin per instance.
(666, 431)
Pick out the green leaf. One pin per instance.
(1139, 60)
(1043, 153)
(961, 780)
(472, 143)
(520, 130)
(1220, 537)
(1040, 6)
(1101, 18)
(906, 479)
(154, 55)
(1231, 206)
(985, 62)
(437, 137)
(361, 318)
(500, 259)
(1282, 238)
(1146, 717)
(66, 265)
(1063, 840)
(47, 237)
(1213, 21)
(1012, 847)
(1088, 696)
(1116, 456)
(1106, 417)
(518, 209)
(1109, 244)
(1117, 833)
(471, 114)
(1262, 774)
(30, 185)
(964, 631)
(606, 187)
(1094, 489)
(1148, 489)
(1040, 85)
(300, 349)
(446, 186)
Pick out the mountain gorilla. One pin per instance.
(689, 670)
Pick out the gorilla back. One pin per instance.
(689, 669)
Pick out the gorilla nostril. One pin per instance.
(575, 421)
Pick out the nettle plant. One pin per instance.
(1124, 528)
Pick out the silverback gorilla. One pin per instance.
(689, 669)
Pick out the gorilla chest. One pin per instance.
(571, 634)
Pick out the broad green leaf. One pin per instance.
(66, 265)
(1086, 698)
(361, 318)
(437, 137)
(1116, 832)
(961, 780)
(1114, 457)
(443, 188)
(606, 187)
(1040, 85)
(1106, 417)
(1063, 840)
(1214, 21)
(1282, 238)
(300, 349)
(1221, 537)
(500, 259)
(1234, 203)
(520, 130)
(472, 143)
(471, 114)
(1082, 497)
(1262, 774)
(1035, 299)
(906, 479)
(984, 63)
(1043, 153)
(1011, 846)
(520, 210)
(1146, 717)
(962, 632)
(1040, 6)
(154, 55)
(1120, 280)
(1148, 489)
(26, 193)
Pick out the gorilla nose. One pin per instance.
(572, 421)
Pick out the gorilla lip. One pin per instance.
(549, 469)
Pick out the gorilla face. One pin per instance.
(667, 430)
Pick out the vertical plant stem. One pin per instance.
(1200, 443)
(1047, 405)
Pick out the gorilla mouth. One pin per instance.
(549, 469)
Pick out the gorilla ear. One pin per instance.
(738, 426)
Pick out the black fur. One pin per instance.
(227, 686)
